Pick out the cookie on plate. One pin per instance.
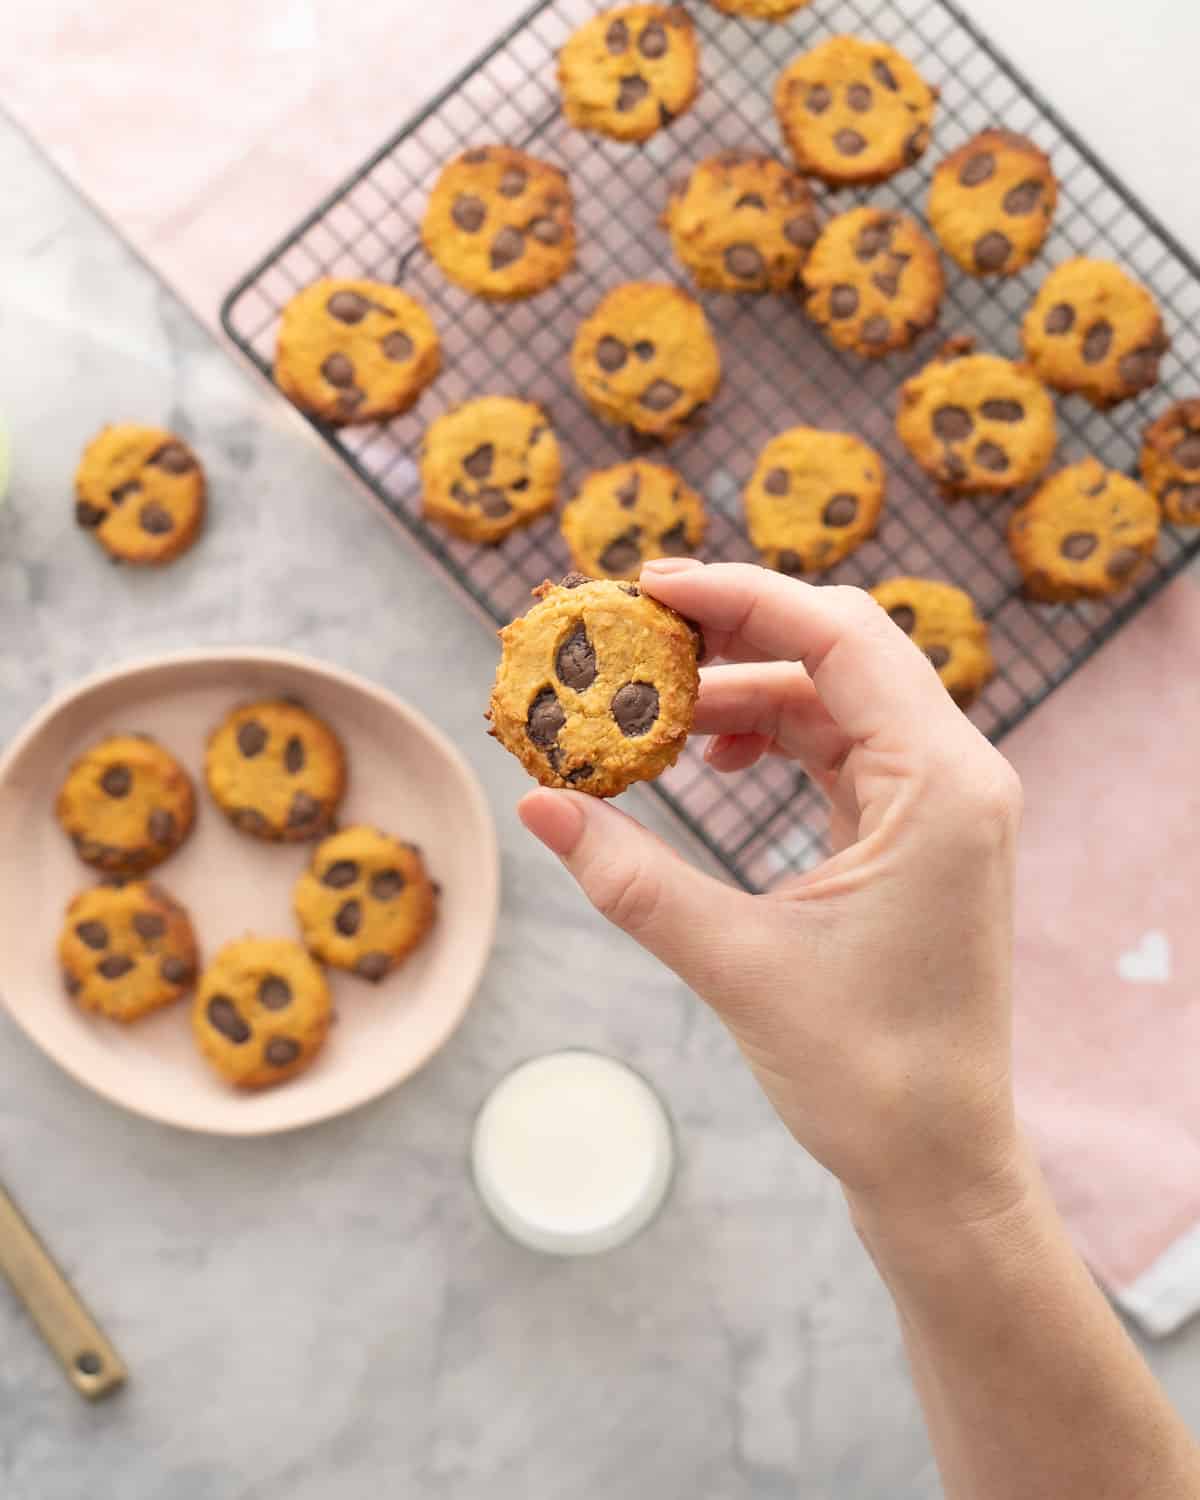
(262, 1011)
(813, 498)
(945, 624)
(489, 466)
(1094, 330)
(874, 281)
(646, 357)
(126, 804)
(742, 223)
(126, 950)
(1087, 533)
(140, 491)
(365, 902)
(761, 10)
(854, 111)
(500, 223)
(627, 72)
(352, 350)
(992, 201)
(276, 771)
(596, 687)
(628, 514)
(976, 423)
(1171, 462)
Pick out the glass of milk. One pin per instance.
(573, 1153)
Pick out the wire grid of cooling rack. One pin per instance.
(767, 822)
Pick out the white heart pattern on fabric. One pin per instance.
(1149, 962)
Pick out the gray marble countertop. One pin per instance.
(330, 1313)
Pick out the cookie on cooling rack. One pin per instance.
(628, 514)
(761, 10)
(1171, 462)
(489, 466)
(628, 72)
(945, 624)
(140, 492)
(992, 202)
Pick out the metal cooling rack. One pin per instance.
(769, 821)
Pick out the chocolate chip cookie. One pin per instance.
(943, 621)
(141, 493)
(854, 111)
(628, 72)
(646, 357)
(500, 223)
(365, 902)
(992, 202)
(813, 498)
(354, 350)
(743, 223)
(873, 282)
(1171, 462)
(626, 515)
(126, 950)
(976, 423)
(1085, 534)
(761, 10)
(1095, 330)
(489, 466)
(276, 771)
(126, 805)
(262, 1011)
(596, 687)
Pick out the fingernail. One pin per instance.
(553, 817)
(717, 746)
(664, 565)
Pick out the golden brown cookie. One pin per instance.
(126, 805)
(854, 111)
(489, 466)
(626, 515)
(500, 223)
(874, 281)
(1095, 330)
(646, 356)
(743, 223)
(354, 350)
(976, 423)
(596, 687)
(813, 498)
(126, 950)
(262, 1011)
(1085, 534)
(944, 623)
(365, 902)
(1171, 462)
(140, 492)
(276, 771)
(761, 10)
(992, 202)
(629, 71)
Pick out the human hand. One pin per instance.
(871, 996)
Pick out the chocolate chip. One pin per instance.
(884, 75)
(546, 231)
(155, 519)
(876, 330)
(843, 301)
(347, 307)
(977, 168)
(149, 924)
(653, 41)
(938, 656)
(952, 423)
(1186, 452)
(665, 116)
(71, 984)
(303, 811)
(850, 142)
(340, 874)
(635, 708)
(992, 250)
(660, 396)
(507, 247)
(174, 458)
(571, 581)
(777, 482)
(840, 511)
(1185, 498)
(224, 1016)
(338, 370)
(633, 91)
(87, 515)
(1060, 318)
(1139, 369)
(611, 354)
(859, 97)
(175, 970)
(386, 885)
(1023, 199)
(953, 468)
(117, 781)
(674, 542)
(631, 589)
(493, 503)
(616, 38)
(373, 966)
(293, 755)
(914, 147)
(580, 773)
(873, 239)
(1079, 545)
(350, 400)
(819, 99)
(123, 491)
(94, 934)
(575, 661)
(744, 261)
(476, 155)
(349, 917)
(644, 350)
(803, 231)
(545, 719)
(468, 212)
(251, 738)
(627, 494)
(992, 457)
(274, 993)
(115, 966)
(1003, 411)
(281, 1050)
(904, 616)
(1124, 562)
(160, 825)
(789, 562)
(623, 553)
(478, 463)
(250, 820)
(1097, 342)
(398, 347)
(751, 200)
(887, 282)
(514, 182)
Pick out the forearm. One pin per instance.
(1030, 1385)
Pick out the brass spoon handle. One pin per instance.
(92, 1364)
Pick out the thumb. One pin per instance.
(689, 921)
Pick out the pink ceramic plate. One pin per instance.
(405, 777)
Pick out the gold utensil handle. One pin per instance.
(92, 1364)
